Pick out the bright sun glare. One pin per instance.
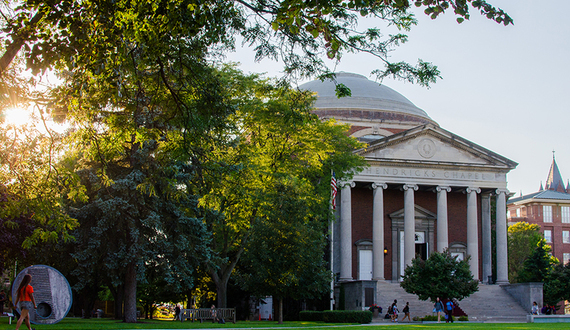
(16, 116)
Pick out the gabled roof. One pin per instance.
(545, 195)
(434, 145)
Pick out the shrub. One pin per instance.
(429, 318)
(347, 317)
(463, 318)
(315, 316)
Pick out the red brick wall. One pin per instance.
(362, 205)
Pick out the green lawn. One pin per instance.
(96, 324)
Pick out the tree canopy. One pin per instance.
(522, 240)
(441, 275)
(285, 256)
(155, 124)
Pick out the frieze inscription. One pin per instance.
(429, 173)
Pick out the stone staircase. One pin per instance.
(490, 304)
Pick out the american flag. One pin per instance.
(333, 191)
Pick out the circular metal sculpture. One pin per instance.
(52, 294)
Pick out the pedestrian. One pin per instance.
(214, 313)
(534, 310)
(177, 312)
(438, 308)
(449, 311)
(25, 296)
(394, 315)
(406, 312)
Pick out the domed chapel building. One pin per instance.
(425, 189)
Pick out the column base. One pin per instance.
(347, 279)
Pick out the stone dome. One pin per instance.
(370, 101)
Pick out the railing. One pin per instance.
(201, 314)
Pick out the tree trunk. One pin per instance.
(280, 311)
(131, 293)
(222, 291)
(117, 293)
(21, 37)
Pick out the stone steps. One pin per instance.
(490, 304)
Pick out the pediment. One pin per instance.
(432, 144)
(419, 213)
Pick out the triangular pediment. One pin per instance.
(419, 213)
(430, 144)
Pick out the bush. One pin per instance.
(315, 316)
(360, 317)
(429, 318)
(463, 318)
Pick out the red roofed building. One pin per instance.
(550, 209)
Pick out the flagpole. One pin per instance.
(332, 207)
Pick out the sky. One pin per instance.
(504, 88)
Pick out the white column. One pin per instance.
(442, 227)
(486, 248)
(472, 231)
(346, 231)
(409, 224)
(502, 258)
(378, 231)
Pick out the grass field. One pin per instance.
(102, 324)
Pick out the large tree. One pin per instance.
(276, 136)
(522, 240)
(441, 275)
(285, 257)
(537, 267)
(557, 285)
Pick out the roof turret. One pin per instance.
(554, 180)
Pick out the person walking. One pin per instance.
(449, 305)
(25, 296)
(394, 314)
(406, 312)
(438, 308)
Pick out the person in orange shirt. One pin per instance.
(25, 297)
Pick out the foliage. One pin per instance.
(311, 316)
(285, 253)
(538, 265)
(277, 144)
(522, 240)
(441, 275)
(337, 316)
(13, 231)
(32, 185)
(557, 286)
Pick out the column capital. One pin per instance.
(407, 186)
(344, 184)
(502, 191)
(442, 188)
(473, 189)
(381, 185)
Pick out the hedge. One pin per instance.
(313, 316)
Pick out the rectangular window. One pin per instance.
(566, 236)
(548, 236)
(547, 213)
(518, 213)
(566, 258)
(565, 213)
